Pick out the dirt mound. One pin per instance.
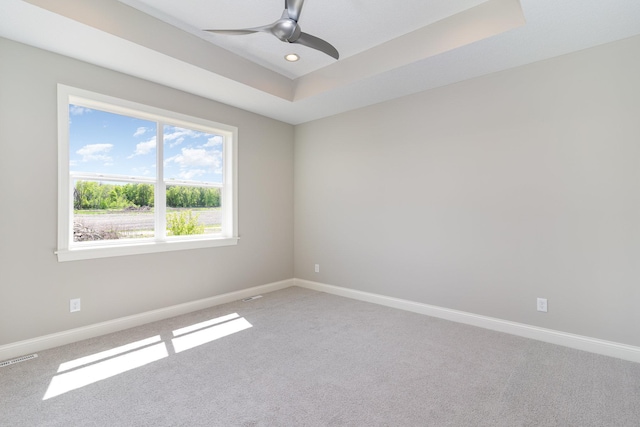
(82, 233)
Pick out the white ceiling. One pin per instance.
(386, 49)
(350, 26)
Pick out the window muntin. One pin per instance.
(136, 179)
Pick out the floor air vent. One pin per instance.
(18, 360)
(252, 298)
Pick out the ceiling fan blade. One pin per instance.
(294, 8)
(287, 30)
(317, 44)
(263, 29)
(232, 32)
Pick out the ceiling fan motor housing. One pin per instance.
(287, 30)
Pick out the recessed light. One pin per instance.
(292, 57)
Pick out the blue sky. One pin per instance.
(102, 142)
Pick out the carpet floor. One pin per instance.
(297, 357)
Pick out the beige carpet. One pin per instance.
(302, 358)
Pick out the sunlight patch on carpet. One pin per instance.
(90, 369)
(72, 380)
(205, 324)
(108, 353)
(209, 334)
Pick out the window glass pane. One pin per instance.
(108, 143)
(191, 155)
(105, 210)
(193, 210)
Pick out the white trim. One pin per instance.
(112, 249)
(579, 342)
(20, 348)
(68, 250)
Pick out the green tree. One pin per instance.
(179, 196)
(117, 198)
(89, 195)
(144, 195)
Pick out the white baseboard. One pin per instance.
(20, 348)
(579, 342)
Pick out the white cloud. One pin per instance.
(140, 131)
(214, 141)
(190, 157)
(144, 147)
(177, 142)
(95, 152)
(191, 174)
(192, 161)
(76, 110)
(145, 171)
(176, 133)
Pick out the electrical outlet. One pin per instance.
(74, 305)
(317, 268)
(542, 304)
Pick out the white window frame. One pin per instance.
(68, 250)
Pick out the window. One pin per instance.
(137, 179)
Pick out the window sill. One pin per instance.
(91, 252)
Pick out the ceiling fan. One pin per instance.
(287, 30)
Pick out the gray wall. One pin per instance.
(484, 195)
(480, 196)
(35, 288)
